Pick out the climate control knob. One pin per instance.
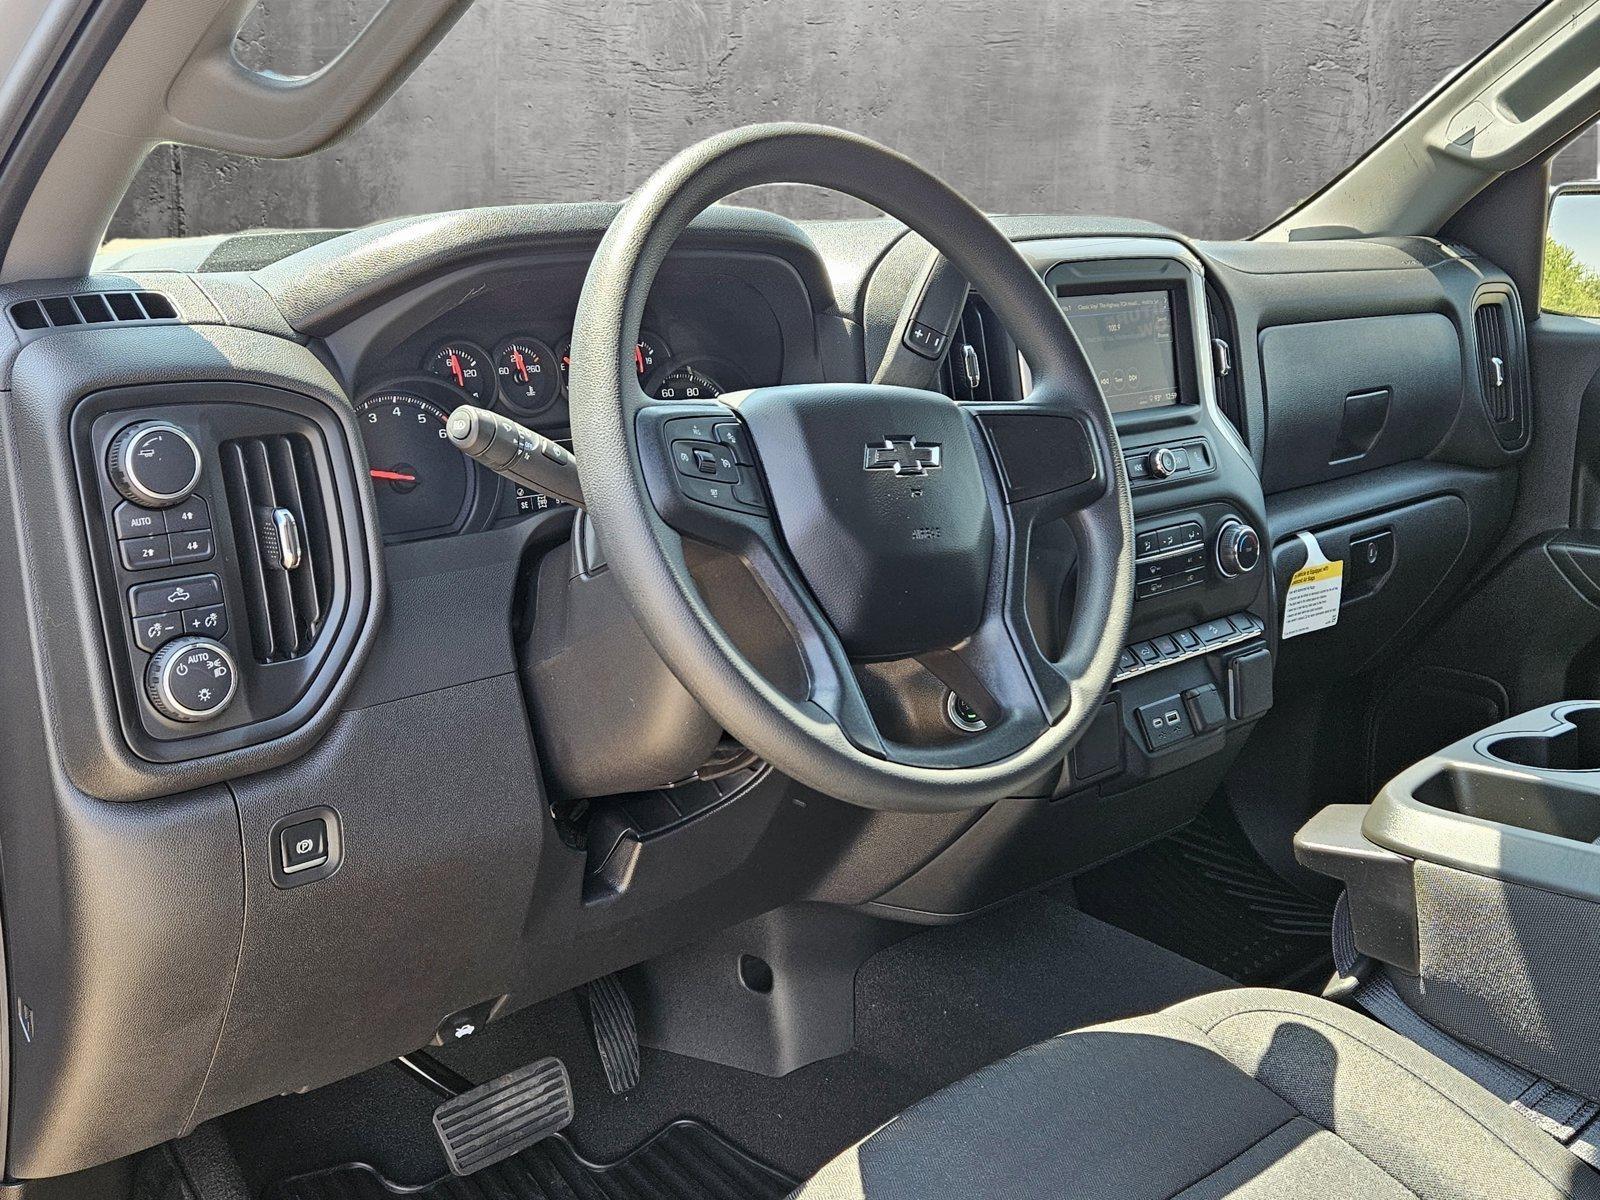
(1238, 548)
(191, 679)
(154, 464)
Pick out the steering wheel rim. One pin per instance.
(621, 442)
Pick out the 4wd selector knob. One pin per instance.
(154, 464)
(1238, 548)
(191, 679)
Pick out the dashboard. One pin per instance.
(453, 691)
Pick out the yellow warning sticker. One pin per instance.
(1311, 602)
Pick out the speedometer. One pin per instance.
(422, 482)
(687, 383)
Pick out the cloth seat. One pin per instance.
(1249, 1094)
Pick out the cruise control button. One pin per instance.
(191, 547)
(135, 522)
(193, 513)
(150, 632)
(211, 620)
(705, 460)
(171, 595)
(140, 554)
(736, 438)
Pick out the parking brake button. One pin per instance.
(303, 846)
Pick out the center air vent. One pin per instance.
(1225, 358)
(981, 364)
(1502, 366)
(281, 529)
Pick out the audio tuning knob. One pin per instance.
(1238, 548)
(1163, 462)
(155, 464)
(191, 679)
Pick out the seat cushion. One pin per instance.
(1250, 1093)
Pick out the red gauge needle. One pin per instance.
(522, 367)
(455, 369)
(638, 358)
(394, 476)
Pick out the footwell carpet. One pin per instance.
(685, 1161)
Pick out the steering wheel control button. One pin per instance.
(190, 547)
(191, 679)
(732, 435)
(962, 715)
(924, 339)
(192, 514)
(1164, 723)
(174, 595)
(305, 846)
(705, 460)
(149, 633)
(1238, 548)
(141, 554)
(133, 521)
(154, 464)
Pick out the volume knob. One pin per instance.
(191, 679)
(154, 464)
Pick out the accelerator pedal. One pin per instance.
(499, 1118)
(616, 1032)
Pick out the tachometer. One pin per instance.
(421, 481)
(528, 375)
(462, 365)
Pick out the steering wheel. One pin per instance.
(883, 522)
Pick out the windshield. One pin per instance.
(1191, 113)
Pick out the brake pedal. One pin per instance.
(499, 1118)
(616, 1033)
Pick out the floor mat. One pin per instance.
(1206, 894)
(929, 1010)
(685, 1161)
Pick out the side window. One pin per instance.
(1571, 277)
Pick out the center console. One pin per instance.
(1474, 879)
(1198, 663)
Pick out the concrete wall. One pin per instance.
(1211, 116)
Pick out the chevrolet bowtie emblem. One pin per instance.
(903, 456)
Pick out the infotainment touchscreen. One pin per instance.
(1127, 337)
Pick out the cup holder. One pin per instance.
(1574, 747)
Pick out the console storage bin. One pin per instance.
(1475, 877)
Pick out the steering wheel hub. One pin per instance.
(881, 499)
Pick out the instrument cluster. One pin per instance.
(425, 487)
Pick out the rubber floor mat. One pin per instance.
(1205, 893)
(685, 1161)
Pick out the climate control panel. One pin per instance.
(216, 521)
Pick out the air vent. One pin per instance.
(981, 363)
(281, 529)
(1225, 359)
(1502, 366)
(91, 308)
